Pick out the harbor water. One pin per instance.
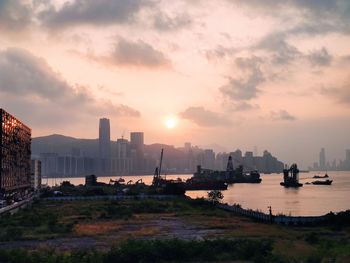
(309, 200)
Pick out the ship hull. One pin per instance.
(214, 185)
(243, 181)
(294, 185)
(328, 182)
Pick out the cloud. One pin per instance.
(163, 22)
(92, 12)
(28, 81)
(320, 57)
(14, 15)
(312, 17)
(205, 118)
(137, 54)
(337, 8)
(243, 106)
(275, 43)
(220, 52)
(339, 94)
(245, 88)
(281, 115)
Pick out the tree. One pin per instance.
(215, 196)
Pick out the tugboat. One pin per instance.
(291, 177)
(327, 182)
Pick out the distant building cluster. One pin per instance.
(18, 177)
(265, 163)
(324, 165)
(128, 157)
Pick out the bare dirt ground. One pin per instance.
(105, 234)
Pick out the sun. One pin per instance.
(170, 122)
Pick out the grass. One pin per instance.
(171, 250)
(112, 222)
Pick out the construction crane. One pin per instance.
(157, 172)
(139, 181)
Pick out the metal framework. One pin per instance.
(15, 153)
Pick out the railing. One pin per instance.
(278, 219)
(110, 197)
(16, 206)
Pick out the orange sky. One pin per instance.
(272, 74)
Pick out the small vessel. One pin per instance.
(291, 177)
(319, 176)
(327, 182)
(228, 176)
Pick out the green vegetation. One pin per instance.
(144, 230)
(215, 196)
(172, 250)
(101, 189)
(49, 219)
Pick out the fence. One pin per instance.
(279, 219)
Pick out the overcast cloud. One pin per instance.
(238, 60)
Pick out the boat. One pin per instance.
(291, 177)
(164, 186)
(319, 176)
(327, 182)
(230, 176)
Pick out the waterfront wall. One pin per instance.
(278, 219)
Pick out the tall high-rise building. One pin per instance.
(347, 155)
(104, 146)
(104, 139)
(347, 159)
(137, 145)
(209, 159)
(187, 146)
(322, 165)
(136, 140)
(15, 152)
(36, 174)
(122, 164)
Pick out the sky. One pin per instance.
(225, 74)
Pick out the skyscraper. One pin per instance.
(104, 145)
(137, 145)
(322, 159)
(15, 144)
(136, 140)
(347, 159)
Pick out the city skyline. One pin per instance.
(280, 83)
(68, 156)
(328, 162)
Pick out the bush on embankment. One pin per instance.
(172, 250)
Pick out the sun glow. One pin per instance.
(170, 122)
